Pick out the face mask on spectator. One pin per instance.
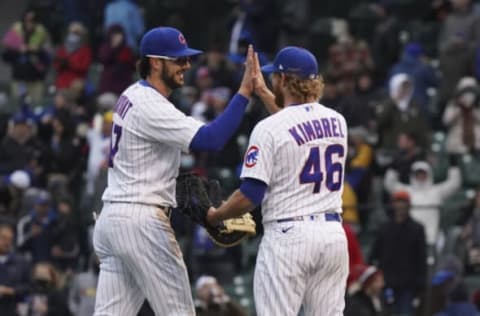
(42, 285)
(72, 42)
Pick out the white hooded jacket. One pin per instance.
(427, 197)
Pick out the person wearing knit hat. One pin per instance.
(364, 297)
(11, 193)
(400, 251)
(211, 299)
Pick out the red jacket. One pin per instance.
(71, 67)
(354, 250)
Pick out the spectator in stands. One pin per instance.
(11, 194)
(20, 149)
(470, 236)
(459, 37)
(61, 102)
(365, 293)
(34, 230)
(459, 303)
(400, 252)
(27, 49)
(422, 74)
(408, 151)
(65, 242)
(45, 299)
(66, 160)
(73, 59)
(14, 273)
(221, 70)
(476, 299)
(331, 96)
(212, 300)
(358, 109)
(350, 214)
(337, 58)
(386, 46)
(127, 14)
(462, 118)
(98, 160)
(448, 273)
(205, 257)
(426, 196)
(225, 161)
(118, 61)
(256, 22)
(355, 256)
(400, 114)
(359, 159)
(81, 298)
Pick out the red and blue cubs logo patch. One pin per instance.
(251, 156)
(182, 39)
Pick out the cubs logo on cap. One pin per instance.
(251, 156)
(166, 41)
(182, 39)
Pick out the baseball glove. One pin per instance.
(195, 196)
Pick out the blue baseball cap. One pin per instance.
(167, 42)
(296, 60)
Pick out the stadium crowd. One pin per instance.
(405, 74)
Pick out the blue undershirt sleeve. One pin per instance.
(213, 136)
(253, 189)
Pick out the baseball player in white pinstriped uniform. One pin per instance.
(294, 167)
(139, 256)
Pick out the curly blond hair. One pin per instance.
(304, 89)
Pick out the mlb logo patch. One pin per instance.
(251, 156)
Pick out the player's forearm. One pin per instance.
(268, 99)
(236, 205)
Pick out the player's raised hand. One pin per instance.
(259, 84)
(261, 89)
(247, 84)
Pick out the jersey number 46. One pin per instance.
(312, 170)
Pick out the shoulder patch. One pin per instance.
(251, 156)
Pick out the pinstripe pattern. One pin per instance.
(139, 258)
(146, 164)
(300, 154)
(139, 255)
(307, 265)
(280, 162)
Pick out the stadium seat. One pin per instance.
(470, 166)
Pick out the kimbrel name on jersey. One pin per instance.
(316, 129)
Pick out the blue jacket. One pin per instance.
(459, 309)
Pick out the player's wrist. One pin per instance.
(244, 92)
(212, 217)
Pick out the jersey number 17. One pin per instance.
(114, 140)
(312, 170)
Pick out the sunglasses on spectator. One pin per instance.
(177, 60)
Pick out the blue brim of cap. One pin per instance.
(268, 69)
(186, 52)
(441, 277)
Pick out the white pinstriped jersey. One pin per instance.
(300, 154)
(148, 136)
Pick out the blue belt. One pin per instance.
(329, 217)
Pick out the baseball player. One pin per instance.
(139, 256)
(294, 167)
